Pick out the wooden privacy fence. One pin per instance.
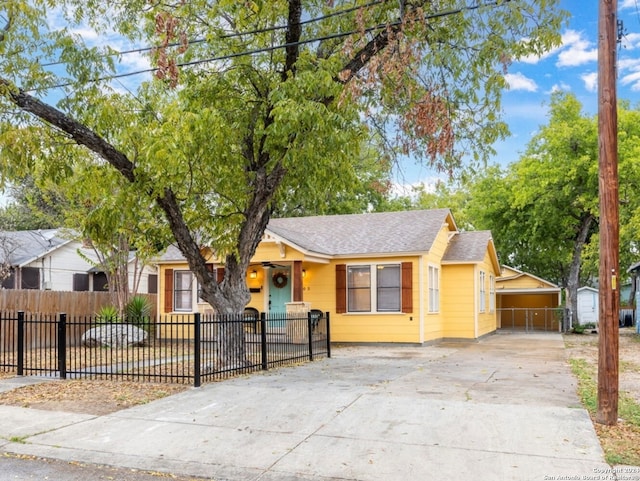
(55, 302)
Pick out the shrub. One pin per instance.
(138, 312)
(578, 329)
(108, 314)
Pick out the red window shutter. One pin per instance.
(341, 288)
(219, 274)
(168, 290)
(407, 287)
(297, 281)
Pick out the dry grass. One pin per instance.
(88, 396)
(621, 443)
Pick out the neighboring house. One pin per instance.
(526, 301)
(588, 309)
(384, 277)
(48, 260)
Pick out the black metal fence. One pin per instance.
(190, 348)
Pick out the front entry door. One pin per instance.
(279, 288)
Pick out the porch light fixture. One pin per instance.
(304, 273)
(253, 274)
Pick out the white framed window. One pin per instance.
(492, 293)
(388, 295)
(434, 289)
(183, 290)
(483, 292)
(374, 288)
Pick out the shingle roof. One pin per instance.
(20, 247)
(377, 233)
(356, 234)
(171, 254)
(468, 246)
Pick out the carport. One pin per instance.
(527, 302)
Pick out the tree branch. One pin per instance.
(81, 134)
(294, 31)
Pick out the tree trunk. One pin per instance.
(573, 281)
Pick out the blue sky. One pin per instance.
(571, 67)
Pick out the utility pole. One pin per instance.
(609, 295)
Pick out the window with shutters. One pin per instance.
(182, 290)
(377, 288)
(388, 288)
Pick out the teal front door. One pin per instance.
(279, 289)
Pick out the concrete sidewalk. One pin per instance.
(504, 408)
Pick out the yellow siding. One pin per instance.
(487, 321)
(459, 301)
(433, 322)
(461, 283)
(273, 252)
(509, 271)
(319, 286)
(369, 327)
(523, 282)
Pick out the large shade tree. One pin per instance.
(543, 209)
(255, 104)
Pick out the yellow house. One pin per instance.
(407, 277)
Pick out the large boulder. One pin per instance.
(115, 335)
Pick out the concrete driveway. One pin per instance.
(504, 408)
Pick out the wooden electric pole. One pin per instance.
(609, 296)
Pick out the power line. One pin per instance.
(437, 15)
(232, 35)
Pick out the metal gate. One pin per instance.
(531, 319)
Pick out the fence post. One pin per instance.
(263, 340)
(310, 337)
(20, 345)
(62, 345)
(196, 350)
(328, 335)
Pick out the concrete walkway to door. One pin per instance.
(503, 408)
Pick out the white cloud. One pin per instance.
(590, 81)
(413, 189)
(518, 81)
(88, 34)
(624, 4)
(629, 73)
(631, 41)
(632, 79)
(560, 87)
(576, 50)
